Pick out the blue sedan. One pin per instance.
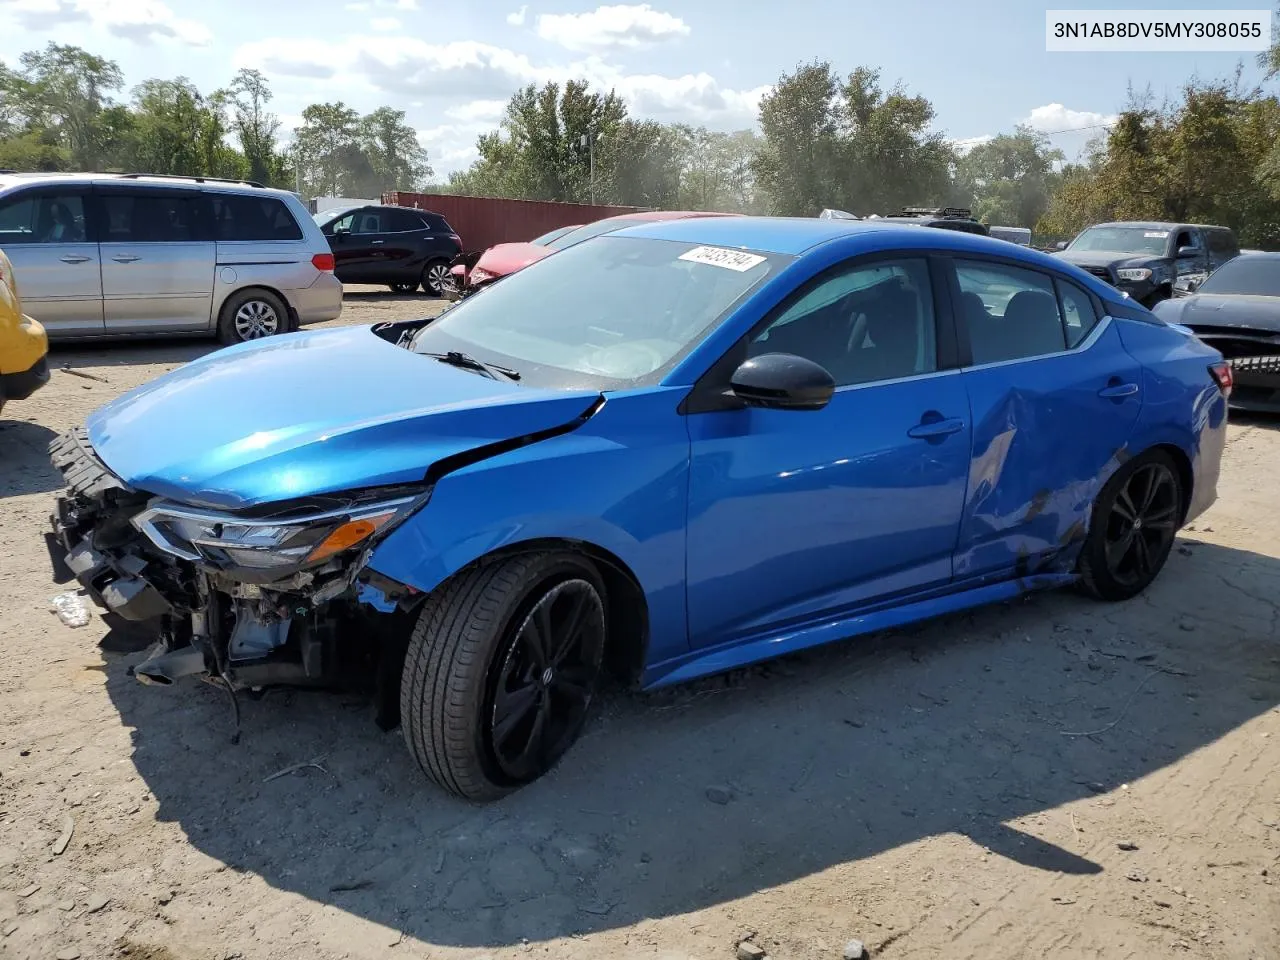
(675, 450)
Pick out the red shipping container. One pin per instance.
(484, 221)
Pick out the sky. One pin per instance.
(452, 65)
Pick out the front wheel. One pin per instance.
(434, 276)
(500, 672)
(252, 315)
(1135, 520)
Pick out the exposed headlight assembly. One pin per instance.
(1134, 273)
(225, 540)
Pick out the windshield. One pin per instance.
(1137, 240)
(550, 235)
(590, 230)
(324, 216)
(1245, 276)
(615, 312)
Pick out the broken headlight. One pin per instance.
(226, 540)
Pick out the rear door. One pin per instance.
(403, 246)
(158, 258)
(1054, 399)
(47, 234)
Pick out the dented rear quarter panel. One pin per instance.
(618, 483)
(1182, 405)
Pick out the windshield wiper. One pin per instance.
(464, 361)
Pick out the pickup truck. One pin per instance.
(1145, 260)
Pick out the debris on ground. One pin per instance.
(96, 902)
(855, 950)
(720, 794)
(68, 830)
(70, 608)
(1127, 845)
(751, 951)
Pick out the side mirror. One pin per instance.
(341, 234)
(782, 381)
(1060, 245)
(1187, 252)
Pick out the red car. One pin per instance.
(506, 258)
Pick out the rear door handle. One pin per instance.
(377, 241)
(73, 258)
(935, 429)
(125, 258)
(1116, 391)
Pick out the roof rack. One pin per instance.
(178, 176)
(7, 170)
(934, 212)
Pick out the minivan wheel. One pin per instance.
(500, 672)
(434, 275)
(252, 315)
(1135, 520)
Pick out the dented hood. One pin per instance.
(311, 413)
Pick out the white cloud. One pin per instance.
(516, 19)
(478, 111)
(965, 144)
(141, 21)
(623, 25)
(362, 5)
(1055, 118)
(385, 24)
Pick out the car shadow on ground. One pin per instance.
(127, 352)
(696, 796)
(24, 458)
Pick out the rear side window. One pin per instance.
(252, 218)
(43, 218)
(1078, 315)
(437, 223)
(158, 217)
(1222, 242)
(1010, 313)
(402, 221)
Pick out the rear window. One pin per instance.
(253, 218)
(1222, 242)
(402, 221)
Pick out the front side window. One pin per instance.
(1010, 313)
(368, 221)
(43, 218)
(252, 218)
(608, 313)
(863, 323)
(157, 217)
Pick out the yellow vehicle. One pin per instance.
(23, 344)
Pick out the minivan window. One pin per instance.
(43, 218)
(155, 217)
(238, 217)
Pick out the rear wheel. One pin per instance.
(501, 670)
(1135, 520)
(252, 315)
(434, 276)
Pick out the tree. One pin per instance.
(64, 90)
(797, 164)
(395, 158)
(177, 130)
(1010, 177)
(256, 127)
(325, 145)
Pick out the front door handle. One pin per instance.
(1118, 391)
(935, 429)
(74, 258)
(377, 241)
(125, 258)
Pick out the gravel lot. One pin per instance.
(970, 788)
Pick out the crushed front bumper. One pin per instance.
(1256, 384)
(247, 634)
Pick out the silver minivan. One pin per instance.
(101, 255)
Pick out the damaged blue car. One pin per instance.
(670, 451)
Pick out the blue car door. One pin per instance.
(1055, 398)
(798, 515)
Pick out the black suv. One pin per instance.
(1146, 260)
(400, 246)
(945, 218)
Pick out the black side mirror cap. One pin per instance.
(782, 381)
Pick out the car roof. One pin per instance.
(10, 180)
(792, 236)
(1156, 225)
(647, 215)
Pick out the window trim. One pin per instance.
(710, 392)
(1059, 283)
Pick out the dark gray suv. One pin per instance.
(1146, 260)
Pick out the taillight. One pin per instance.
(323, 262)
(1221, 373)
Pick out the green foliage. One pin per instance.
(1008, 180)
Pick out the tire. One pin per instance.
(433, 277)
(1121, 557)
(472, 691)
(251, 315)
(403, 287)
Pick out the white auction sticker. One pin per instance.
(720, 257)
(1157, 234)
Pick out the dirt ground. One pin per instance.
(1052, 777)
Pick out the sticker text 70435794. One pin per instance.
(738, 260)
